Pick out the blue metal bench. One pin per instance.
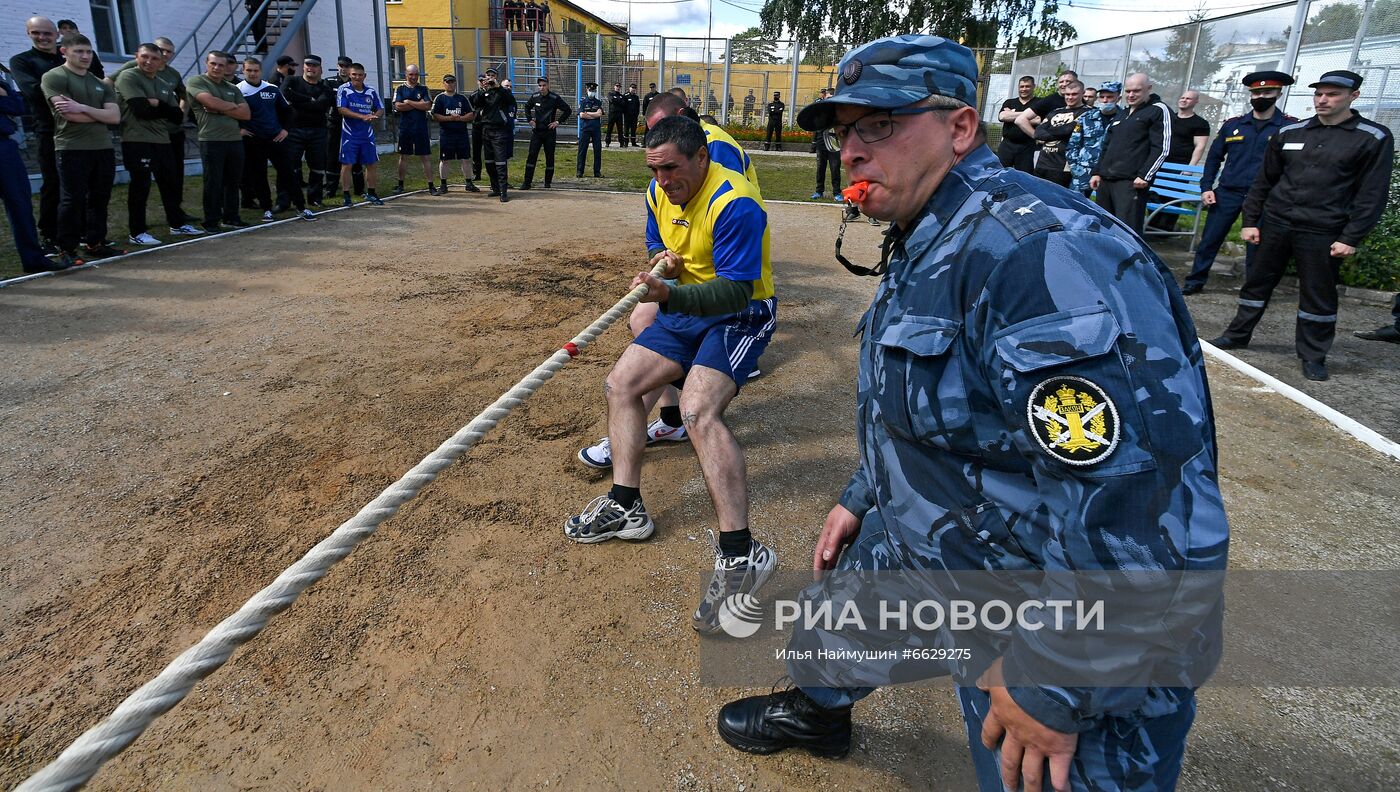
(1179, 187)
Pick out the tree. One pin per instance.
(1168, 69)
(976, 23)
(752, 46)
(822, 53)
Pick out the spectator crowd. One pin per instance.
(1309, 191)
(315, 131)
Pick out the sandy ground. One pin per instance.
(177, 430)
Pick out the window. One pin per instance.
(115, 30)
(398, 60)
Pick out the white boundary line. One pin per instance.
(206, 237)
(1345, 423)
(831, 204)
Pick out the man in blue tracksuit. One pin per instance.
(1240, 145)
(263, 134)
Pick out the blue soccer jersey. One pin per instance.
(363, 101)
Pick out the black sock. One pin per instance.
(735, 543)
(372, 192)
(347, 195)
(627, 496)
(443, 183)
(671, 416)
(400, 185)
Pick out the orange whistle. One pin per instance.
(856, 192)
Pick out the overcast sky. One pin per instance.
(1094, 19)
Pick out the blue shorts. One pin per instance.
(415, 142)
(731, 343)
(357, 152)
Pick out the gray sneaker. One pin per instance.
(734, 575)
(604, 519)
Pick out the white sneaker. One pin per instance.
(267, 216)
(143, 238)
(659, 431)
(307, 214)
(599, 455)
(186, 230)
(604, 518)
(734, 575)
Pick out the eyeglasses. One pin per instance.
(872, 127)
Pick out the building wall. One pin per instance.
(176, 19)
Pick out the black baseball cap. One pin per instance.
(314, 60)
(542, 80)
(491, 72)
(286, 60)
(590, 85)
(344, 60)
(1341, 78)
(449, 78)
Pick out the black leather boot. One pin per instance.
(503, 177)
(529, 177)
(786, 719)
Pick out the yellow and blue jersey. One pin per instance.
(727, 152)
(721, 232)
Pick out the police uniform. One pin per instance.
(497, 113)
(541, 110)
(1082, 151)
(774, 109)
(617, 117)
(749, 100)
(646, 102)
(631, 109)
(590, 131)
(1240, 146)
(478, 126)
(1319, 184)
(1009, 304)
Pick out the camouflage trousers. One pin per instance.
(1142, 754)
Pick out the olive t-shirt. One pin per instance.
(134, 84)
(84, 89)
(214, 127)
(171, 78)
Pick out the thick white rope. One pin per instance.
(81, 760)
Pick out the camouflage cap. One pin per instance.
(895, 71)
(1111, 86)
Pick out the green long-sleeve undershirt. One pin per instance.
(711, 298)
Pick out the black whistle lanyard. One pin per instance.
(849, 214)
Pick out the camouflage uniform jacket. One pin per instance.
(1032, 396)
(1084, 146)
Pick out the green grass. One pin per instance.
(782, 178)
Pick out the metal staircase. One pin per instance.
(230, 28)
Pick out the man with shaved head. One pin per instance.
(412, 103)
(1134, 147)
(28, 68)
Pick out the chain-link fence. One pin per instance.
(1213, 55)
(733, 79)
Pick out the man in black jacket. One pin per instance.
(27, 68)
(617, 116)
(496, 111)
(1322, 188)
(631, 109)
(774, 132)
(1134, 147)
(545, 111)
(312, 99)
